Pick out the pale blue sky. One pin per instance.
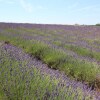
(50, 11)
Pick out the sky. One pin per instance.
(50, 11)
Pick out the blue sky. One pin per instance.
(50, 11)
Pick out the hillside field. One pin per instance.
(49, 62)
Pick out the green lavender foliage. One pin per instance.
(20, 82)
(77, 69)
(83, 51)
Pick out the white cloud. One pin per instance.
(26, 5)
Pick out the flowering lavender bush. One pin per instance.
(74, 50)
(21, 82)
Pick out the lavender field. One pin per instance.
(49, 62)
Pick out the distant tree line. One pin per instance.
(98, 24)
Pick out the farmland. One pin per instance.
(49, 62)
